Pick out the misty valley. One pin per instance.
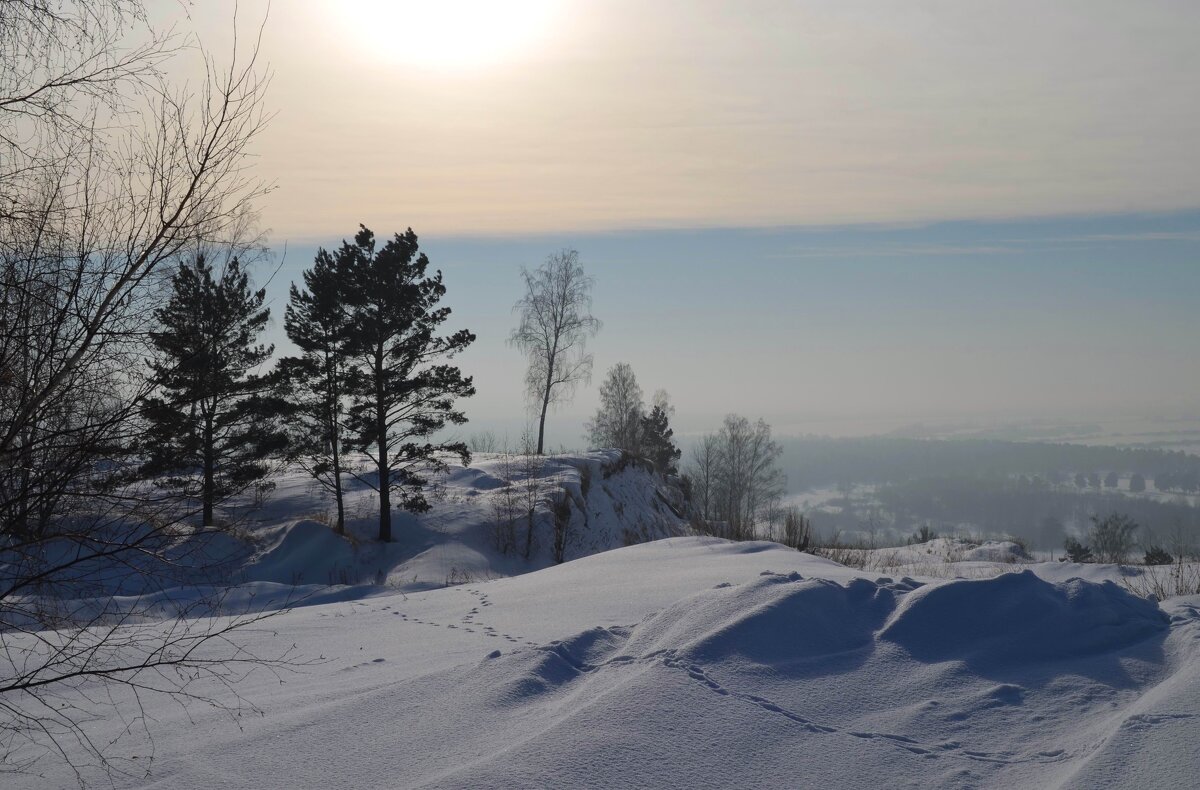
(883, 490)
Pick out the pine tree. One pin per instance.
(317, 322)
(211, 416)
(657, 438)
(401, 393)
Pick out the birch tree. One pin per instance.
(554, 327)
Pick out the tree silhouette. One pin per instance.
(401, 393)
(555, 323)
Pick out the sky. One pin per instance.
(809, 211)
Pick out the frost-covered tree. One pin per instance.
(402, 392)
(210, 418)
(555, 324)
(618, 420)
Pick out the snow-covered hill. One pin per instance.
(681, 662)
(604, 500)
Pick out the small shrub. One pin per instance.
(1077, 552)
(1162, 582)
(797, 530)
(482, 442)
(924, 534)
(1157, 555)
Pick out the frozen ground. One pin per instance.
(682, 662)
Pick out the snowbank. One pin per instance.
(694, 662)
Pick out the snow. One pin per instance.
(685, 661)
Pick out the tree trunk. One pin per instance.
(206, 493)
(335, 439)
(545, 407)
(385, 477)
(337, 495)
(542, 426)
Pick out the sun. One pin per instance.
(446, 34)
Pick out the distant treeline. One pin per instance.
(1040, 515)
(812, 462)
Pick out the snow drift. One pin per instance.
(694, 662)
(439, 662)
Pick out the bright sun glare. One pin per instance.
(447, 34)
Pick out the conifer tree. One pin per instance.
(211, 416)
(402, 392)
(657, 436)
(317, 321)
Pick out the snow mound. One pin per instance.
(1020, 617)
(996, 551)
(775, 620)
(696, 662)
(306, 553)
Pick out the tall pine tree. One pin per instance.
(317, 321)
(402, 391)
(210, 418)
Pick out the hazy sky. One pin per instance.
(801, 210)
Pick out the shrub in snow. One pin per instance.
(797, 530)
(1077, 552)
(1112, 537)
(923, 535)
(1157, 555)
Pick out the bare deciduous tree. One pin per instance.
(735, 476)
(702, 476)
(108, 175)
(618, 420)
(555, 323)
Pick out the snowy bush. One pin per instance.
(1077, 552)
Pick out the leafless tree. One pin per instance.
(555, 324)
(702, 476)
(748, 478)
(618, 420)
(735, 478)
(108, 175)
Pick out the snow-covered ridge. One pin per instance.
(604, 501)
